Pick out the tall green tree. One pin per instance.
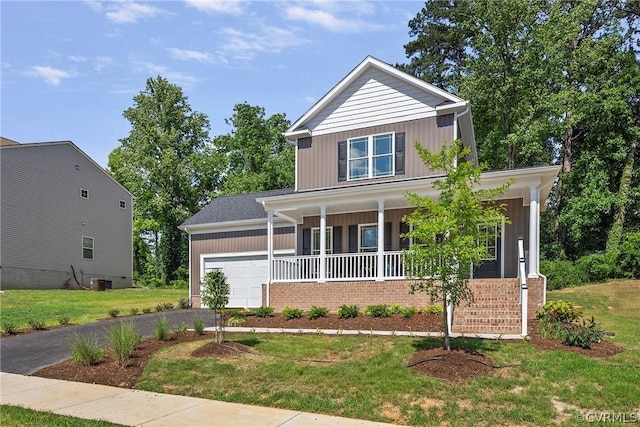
(255, 155)
(163, 162)
(449, 234)
(549, 81)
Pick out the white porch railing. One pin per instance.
(351, 266)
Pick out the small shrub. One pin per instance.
(35, 324)
(161, 328)
(114, 312)
(348, 311)
(133, 311)
(598, 267)
(85, 351)
(123, 338)
(9, 328)
(181, 329)
(377, 310)
(146, 310)
(395, 308)
(291, 313)
(582, 335)
(235, 321)
(184, 303)
(562, 274)
(316, 312)
(64, 320)
(198, 324)
(264, 312)
(559, 311)
(408, 312)
(433, 309)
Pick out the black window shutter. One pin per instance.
(306, 241)
(387, 236)
(342, 160)
(353, 238)
(337, 240)
(400, 153)
(404, 241)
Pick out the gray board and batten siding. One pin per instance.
(318, 155)
(45, 217)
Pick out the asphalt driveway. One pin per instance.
(25, 354)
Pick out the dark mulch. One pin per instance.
(601, 349)
(225, 349)
(25, 331)
(454, 366)
(395, 322)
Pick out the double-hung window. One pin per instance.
(315, 240)
(371, 156)
(368, 241)
(87, 247)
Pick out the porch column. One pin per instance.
(534, 217)
(380, 275)
(269, 253)
(323, 244)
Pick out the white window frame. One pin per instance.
(367, 249)
(122, 204)
(92, 248)
(486, 240)
(82, 191)
(370, 156)
(315, 238)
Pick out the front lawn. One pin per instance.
(366, 377)
(20, 306)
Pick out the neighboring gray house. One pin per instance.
(64, 220)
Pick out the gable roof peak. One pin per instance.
(300, 126)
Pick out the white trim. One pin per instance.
(121, 202)
(81, 192)
(371, 156)
(360, 226)
(502, 250)
(240, 225)
(93, 247)
(328, 244)
(368, 62)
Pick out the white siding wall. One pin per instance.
(43, 219)
(374, 98)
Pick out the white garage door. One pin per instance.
(245, 276)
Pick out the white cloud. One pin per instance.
(327, 15)
(50, 75)
(190, 55)
(101, 62)
(174, 77)
(243, 44)
(310, 99)
(231, 7)
(125, 12)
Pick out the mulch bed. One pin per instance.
(454, 366)
(601, 349)
(395, 322)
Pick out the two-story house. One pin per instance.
(336, 238)
(64, 219)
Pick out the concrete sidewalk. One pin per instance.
(143, 408)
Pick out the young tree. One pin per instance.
(215, 294)
(449, 234)
(163, 163)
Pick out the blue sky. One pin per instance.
(70, 68)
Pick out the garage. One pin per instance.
(245, 275)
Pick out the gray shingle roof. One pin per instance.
(234, 208)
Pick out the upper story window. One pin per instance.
(371, 156)
(315, 240)
(84, 193)
(123, 204)
(87, 247)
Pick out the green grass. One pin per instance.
(20, 306)
(16, 416)
(365, 377)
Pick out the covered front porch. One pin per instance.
(370, 216)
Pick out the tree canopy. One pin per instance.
(550, 81)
